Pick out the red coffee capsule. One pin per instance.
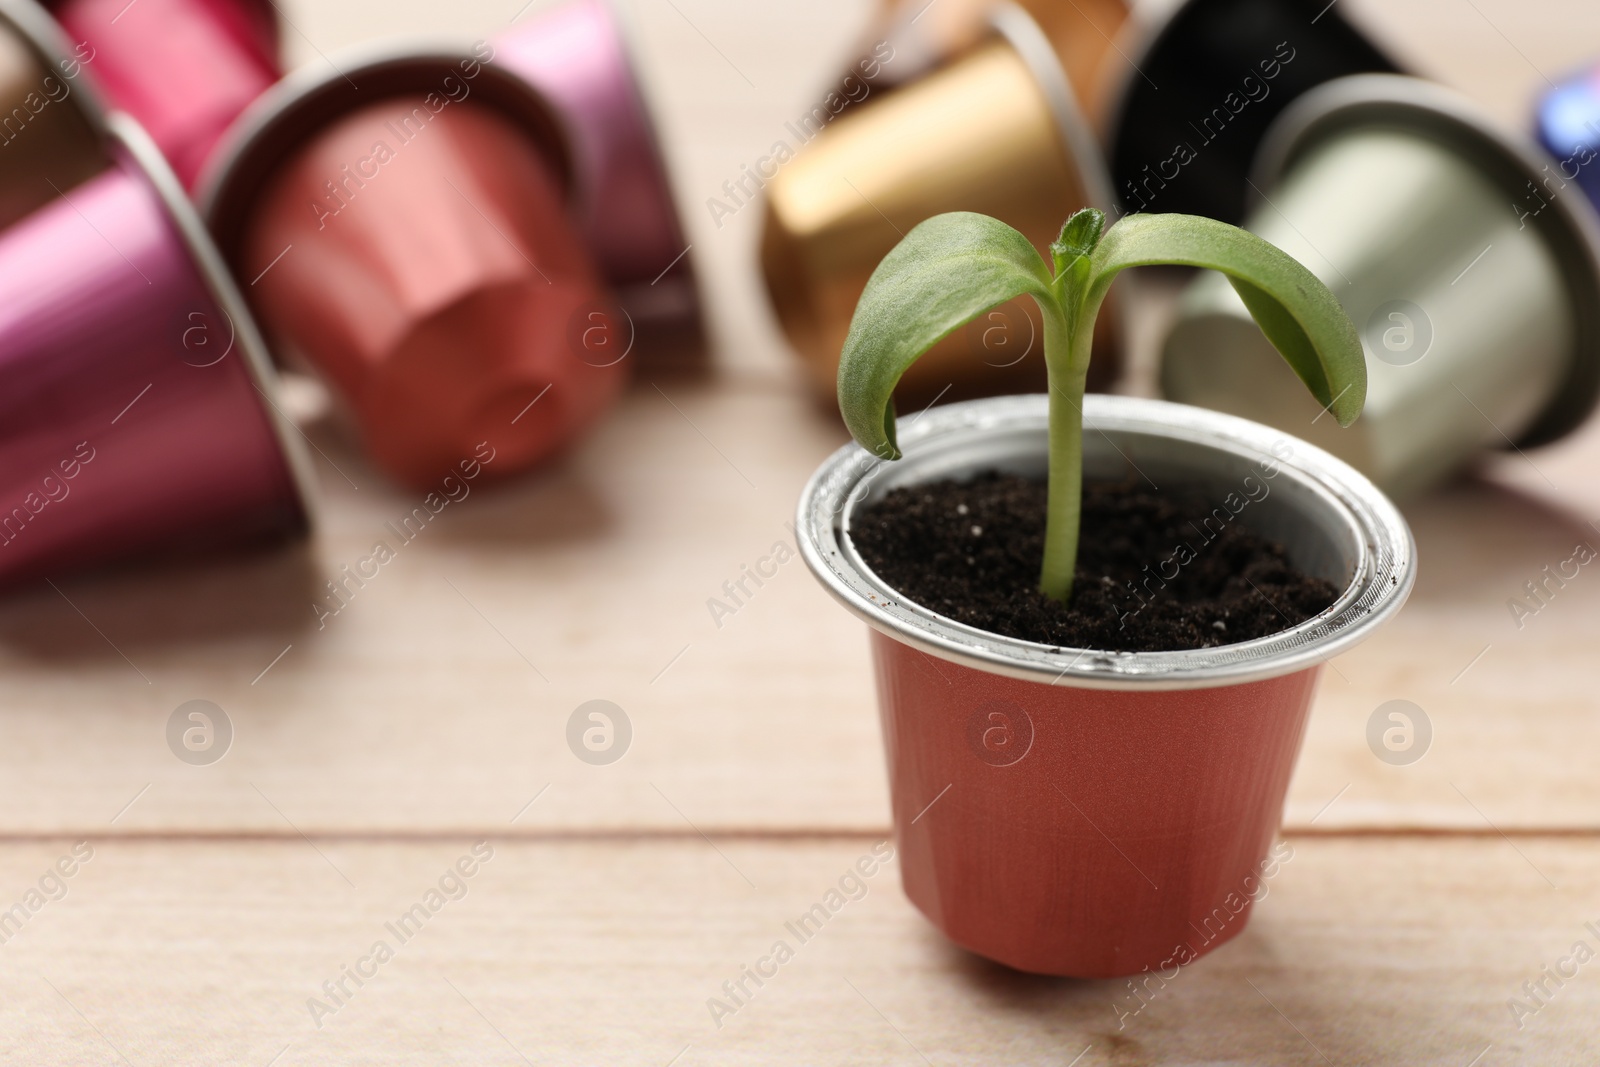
(410, 238)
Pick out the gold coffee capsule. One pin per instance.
(996, 131)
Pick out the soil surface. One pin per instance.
(1157, 571)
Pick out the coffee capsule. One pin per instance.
(997, 131)
(184, 68)
(52, 130)
(1474, 285)
(1187, 112)
(139, 412)
(577, 54)
(1568, 126)
(402, 225)
(923, 36)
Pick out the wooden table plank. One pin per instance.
(1376, 950)
(421, 704)
(459, 664)
(1510, 696)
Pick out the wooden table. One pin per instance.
(208, 905)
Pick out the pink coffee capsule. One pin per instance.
(577, 55)
(136, 413)
(184, 68)
(416, 249)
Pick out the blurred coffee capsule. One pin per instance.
(923, 36)
(996, 131)
(139, 412)
(401, 224)
(1568, 125)
(1202, 85)
(52, 131)
(1474, 285)
(184, 68)
(578, 55)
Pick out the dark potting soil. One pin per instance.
(1157, 571)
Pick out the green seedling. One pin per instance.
(952, 268)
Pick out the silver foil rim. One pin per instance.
(126, 132)
(1384, 567)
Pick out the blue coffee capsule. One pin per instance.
(1568, 125)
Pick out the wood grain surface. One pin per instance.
(1372, 950)
(438, 698)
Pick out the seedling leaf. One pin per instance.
(946, 272)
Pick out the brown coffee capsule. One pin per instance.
(52, 132)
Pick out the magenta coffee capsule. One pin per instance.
(402, 225)
(52, 130)
(184, 68)
(138, 412)
(577, 55)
